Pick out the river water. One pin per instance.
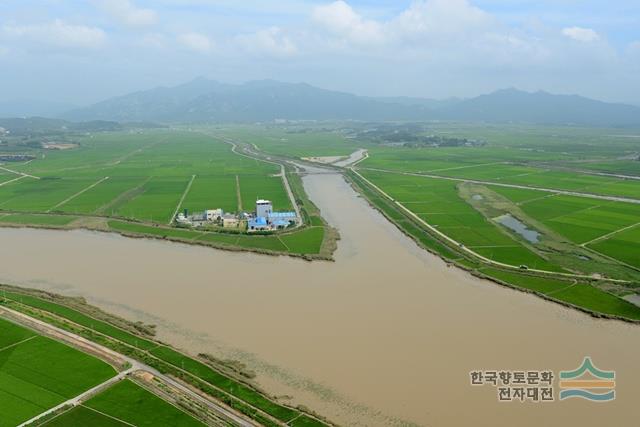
(386, 335)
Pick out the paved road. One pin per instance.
(256, 156)
(463, 248)
(522, 187)
(221, 410)
(81, 397)
(19, 173)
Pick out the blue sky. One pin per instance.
(84, 51)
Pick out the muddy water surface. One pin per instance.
(386, 335)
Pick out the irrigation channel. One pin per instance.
(385, 335)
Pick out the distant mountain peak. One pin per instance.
(205, 100)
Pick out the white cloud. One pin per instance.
(58, 33)
(196, 42)
(271, 41)
(127, 13)
(341, 20)
(585, 35)
(435, 18)
(152, 40)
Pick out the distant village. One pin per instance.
(264, 218)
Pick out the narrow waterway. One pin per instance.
(386, 335)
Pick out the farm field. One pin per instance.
(438, 203)
(623, 246)
(580, 294)
(305, 142)
(582, 236)
(582, 219)
(139, 176)
(146, 177)
(122, 404)
(165, 355)
(37, 373)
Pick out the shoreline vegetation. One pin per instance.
(589, 295)
(225, 380)
(313, 240)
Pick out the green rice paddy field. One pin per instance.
(437, 202)
(37, 373)
(123, 404)
(143, 177)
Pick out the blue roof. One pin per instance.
(282, 215)
(280, 222)
(257, 222)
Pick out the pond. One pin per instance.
(518, 227)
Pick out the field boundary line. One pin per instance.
(519, 186)
(284, 244)
(18, 343)
(608, 235)
(574, 212)
(12, 180)
(283, 172)
(238, 194)
(74, 401)
(466, 249)
(68, 199)
(211, 402)
(19, 173)
(184, 196)
(467, 166)
(108, 416)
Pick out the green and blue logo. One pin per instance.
(588, 382)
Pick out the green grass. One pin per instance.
(581, 295)
(599, 301)
(40, 373)
(212, 192)
(438, 203)
(169, 356)
(81, 416)
(234, 388)
(148, 173)
(132, 227)
(307, 241)
(623, 246)
(81, 319)
(129, 402)
(26, 219)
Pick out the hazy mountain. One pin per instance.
(433, 104)
(41, 125)
(32, 107)
(203, 100)
(512, 105)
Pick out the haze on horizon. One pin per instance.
(79, 52)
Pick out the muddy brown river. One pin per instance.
(386, 335)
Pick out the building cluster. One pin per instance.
(264, 218)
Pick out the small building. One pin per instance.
(214, 214)
(230, 221)
(282, 217)
(258, 224)
(263, 208)
(279, 224)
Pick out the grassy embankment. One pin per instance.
(215, 380)
(589, 295)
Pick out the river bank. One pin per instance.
(384, 335)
